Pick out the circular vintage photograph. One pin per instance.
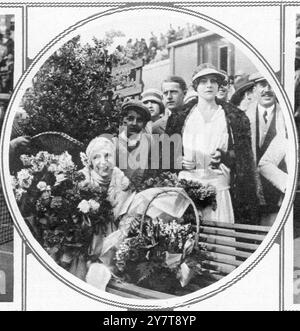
(150, 159)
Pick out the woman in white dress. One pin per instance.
(205, 137)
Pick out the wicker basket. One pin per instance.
(58, 143)
(184, 194)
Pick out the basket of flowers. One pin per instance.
(161, 253)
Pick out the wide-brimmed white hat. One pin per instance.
(208, 71)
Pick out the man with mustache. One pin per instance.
(134, 143)
(266, 121)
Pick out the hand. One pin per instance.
(215, 159)
(22, 141)
(188, 165)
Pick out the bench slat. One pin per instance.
(212, 239)
(226, 250)
(255, 228)
(218, 266)
(228, 260)
(231, 233)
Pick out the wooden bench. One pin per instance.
(226, 246)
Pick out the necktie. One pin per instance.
(265, 116)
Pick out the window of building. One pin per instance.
(223, 58)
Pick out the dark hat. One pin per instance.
(155, 95)
(137, 106)
(241, 86)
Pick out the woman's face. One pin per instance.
(153, 108)
(103, 162)
(223, 90)
(208, 87)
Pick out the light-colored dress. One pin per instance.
(200, 139)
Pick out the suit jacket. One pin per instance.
(279, 130)
(159, 126)
(267, 193)
(269, 163)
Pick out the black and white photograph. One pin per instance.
(149, 156)
(149, 160)
(6, 223)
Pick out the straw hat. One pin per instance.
(206, 69)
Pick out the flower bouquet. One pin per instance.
(62, 214)
(202, 195)
(160, 255)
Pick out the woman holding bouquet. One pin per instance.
(100, 170)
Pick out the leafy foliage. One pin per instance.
(73, 92)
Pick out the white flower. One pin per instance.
(94, 205)
(65, 162)
(59, 178)
(18, 193)
(42, 186)
(84, 206)
(24, 178)
(26, 160)
(52, 167)
(38, 166)
(84, 159)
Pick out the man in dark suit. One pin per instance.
(267, 121)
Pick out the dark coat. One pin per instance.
(239, 158)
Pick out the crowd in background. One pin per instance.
(6, 61)
(156, 48)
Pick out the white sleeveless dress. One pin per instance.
(200, 139)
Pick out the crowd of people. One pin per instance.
(6, 62)
(156, 48)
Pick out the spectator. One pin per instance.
(243, 94)
(9, 43)
(3, 49)
(223, 88)
(171, 34)
(162, 42)
(266, 121)
(133, 147)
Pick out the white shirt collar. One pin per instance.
(262, 109)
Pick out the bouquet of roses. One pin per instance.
(62, 214)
